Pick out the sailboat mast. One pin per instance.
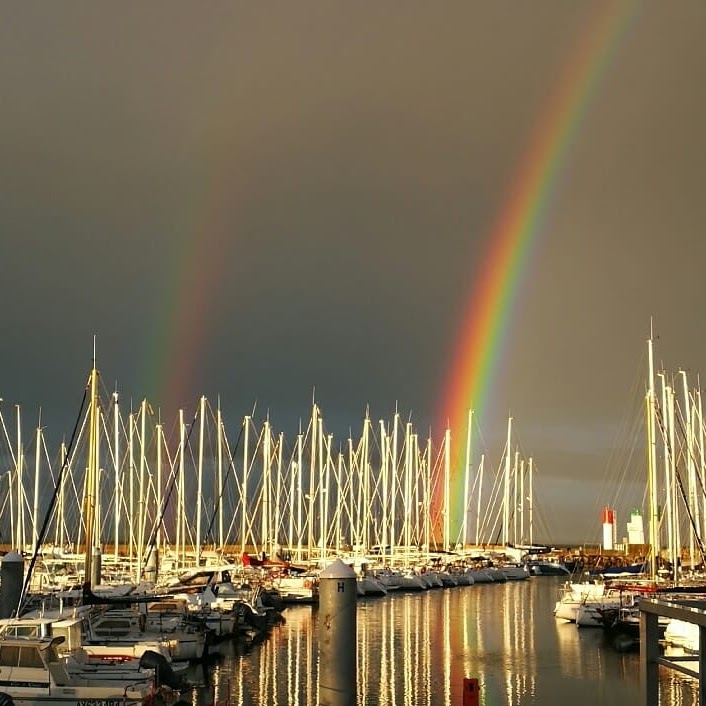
(466, 479)
(219, 446)
(312, 481)
(384, 472)
(199, 491)
(522, 501)
(691, 470)
(116, 469)
(35, 509)
(514, 497)
(320, 486)
(160, 440)
(277, 525)
(427, 493)
(652, 461)
(700, 427)
(480, 494)
(181, 505)
(131, 513)
(246, 461)
(90, 482)
(20, 538)
(300, 492)
(265, 538)
(142, 489)
(447, 490)
(531, 503)
(506, 484)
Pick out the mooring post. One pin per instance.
(96, 567)
(152, 567)
(12, 571)
(702, 664)
(338, 597)
(649, 655)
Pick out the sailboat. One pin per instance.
(32, 670)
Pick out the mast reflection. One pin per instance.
(416, 648)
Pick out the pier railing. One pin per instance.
(650, 658)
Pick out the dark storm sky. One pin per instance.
(285, 196)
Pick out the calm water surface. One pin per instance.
(416, 649)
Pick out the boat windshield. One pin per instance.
(20, 656)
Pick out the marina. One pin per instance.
(164, 551)
(367, 417)
(417, 648)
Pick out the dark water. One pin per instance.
(416, 649)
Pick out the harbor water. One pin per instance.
(416, 649)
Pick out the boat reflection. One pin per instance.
(416, 649)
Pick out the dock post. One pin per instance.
(338, 626)
(702, 665)
(649, 656)
(11, 583)
(96, 567)
(152, 568)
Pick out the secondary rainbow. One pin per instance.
(478, 351)
(183, 314)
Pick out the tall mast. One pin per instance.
(522, 537)
(131, 485)
(219, 446)
(466, 479)
(312, 477)
(35, 510)
(20, 538)
(506, 484)
(199, 491)
(160, 440)
(427, 493)
(447, 490)
(300, 492)
(700, 437)
(384, 473)
(515, 497)
(320, 486)
(292, 488)
(91, 471)
(142, 489)
(480, 494)
(531, 504)
(393, 484)
(181, 505)
(246, 461)
(276, 534)
(116, 468)
(691, 469)
(652, 461)
(265, 512)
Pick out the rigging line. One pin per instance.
(231, 465)
(47, 517)
(689, 451)
(680, 482)
(171, 482)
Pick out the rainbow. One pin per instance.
(477, 353)
(183, 312)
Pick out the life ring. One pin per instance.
(307, 584)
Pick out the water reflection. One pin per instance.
(416, 649)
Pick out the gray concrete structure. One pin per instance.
(11, 581)
(338, 624)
